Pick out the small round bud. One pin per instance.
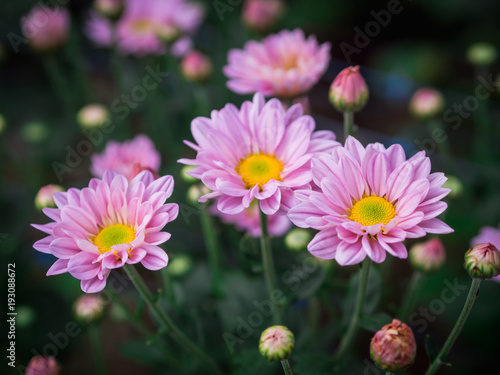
(393, 347)
(482, 54)
(426, 103)
(297, 239)
(40, 365)
(349, 92)
(26, 316)
(34, 132)
(93, 116)
(185, 176)
(482, 261)
(195, 192)
(196, 67)
(47, 29)
(167, 32)
(111, 9)
(276, 343)
(89, 308)
(180, 265)
(455, 185)
(262, 15)
(45, 196)
(428, 256)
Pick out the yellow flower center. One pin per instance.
(142, 26)
(372, 210)
(113, 235)
(259, 169)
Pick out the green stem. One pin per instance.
(350, 335)
(469, 302)
(58, 82)
(348, 124)
(213, 247)
(268, 264)
(410, 295)
(75, 59)
(95, 343)
(286, 367)
(168, 289)
(169, 326)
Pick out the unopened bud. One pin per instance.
(426, 103)
(180, 265)
(262, 15)
(196, 67)
(297, 239)
(455, 185)
(45, 196)
(185, 176)
(34, 132)
(89, 308)
(111, 9)
(482, 261)
(276, 343)
(482, 54)
(428, 256)
(349, 92)
(195, 192)
(393, 347)
(40, 365)
(47, 29)
(93, 116)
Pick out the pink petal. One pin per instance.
(373, 249)
(230, 205)
(270, 205)
(81, 266)
(136, 255)
(43, 245)
(155, 258)
(64, 248)
(435, 226)
(300, 213)
(349, 254)
(377, 173)
(93, 285)
(352, 178)
(157, 238)
(60, 266)
(324, 244)
(398, 181)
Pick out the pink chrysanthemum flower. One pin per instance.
(370, 201)
(282, 65)
(259, 152)
(128, 158)
(249, 221)
(108, 224)
(488, 235)
(145, 25)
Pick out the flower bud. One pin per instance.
(195, 192)
(393, 347)
(276, 343)
(482, 54)
(45, 196)
(180, 265)
(111, 9)
(184, 174)
(40, 365)
(349, 92)
(428, 256)
(426, 103)
(34, 132)
(93, 116)
(482, 261)
(89, 308)
(196, 67)
(47, 29)
(297, 239)
(262, 15)
(455, 185)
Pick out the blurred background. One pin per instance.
(424, 45)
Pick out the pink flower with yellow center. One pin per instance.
(261, 151)
(370, 200)
(127, 158)
(249, 221)
(144, 26)
(284, 65)
(110, 223)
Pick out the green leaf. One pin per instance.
(431, 348)
(374, 322)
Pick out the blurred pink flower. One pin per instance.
(127, 158)
(45, 196)
(111, 223)
(370, 200)
(261, 151)
(144, 23)
(249, 220)
(348, 91)
(428, 256)
(46, 28)
(488, 235)
(40, 365)
(284, 65)
(261, 15)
